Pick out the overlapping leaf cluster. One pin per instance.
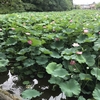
(65, 45)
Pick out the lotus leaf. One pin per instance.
(11, 41)
(60, 72)
(20, 58)
(29, 94)
(41, 60)
(96, 93)
(28, 62)
(52, 66)
(55, 54)
(70, 88)
(3, 62)
(81, 98)
(35, 42)
(84, 76)
(97, 45)
(90, 61)
(96, 73)
(55, 80)
(45, 51)
(80, 58)
(57, 45)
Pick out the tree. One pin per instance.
(69, 4)
(50, 5)
(7, 6)
(98, 5)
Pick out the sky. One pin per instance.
(85, 1)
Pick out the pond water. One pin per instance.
(11, 83)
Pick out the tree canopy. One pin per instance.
(8, 6)
(98, 5)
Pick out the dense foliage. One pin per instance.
(48, 5)
(98, 6)
(9, 6)
(64, 45)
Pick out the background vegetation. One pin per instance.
(98, 6)
(9, 6)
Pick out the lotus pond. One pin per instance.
(55, 55)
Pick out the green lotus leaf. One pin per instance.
(60, 72)
(72, 26)
(69, 31)
(1, 33)
(70, 88)
(20, 58)
(96, 73)
(85, 76)
(28, 72)
(35, 42)
(32, 49)
(91, 38)
(52, 66)
(96, 92)
(10, 50)
(29, 94)
(12, 32)
(73, 68)
(65, 64)
(45, 51)
(97, 29)
(28, 62)
(40, 74)
(57, 45)
(23, 39)
(11, 41)
(67, 52)
(37, 27)
(55, 54)
(3, 62)
(97, 45)
(80, 58)
(67, 57)
(26, 82)
(49, 27)
(23, 51)
(55, 80)
(81, 38)
(2, 55)
(90, 61)
(49, 36)
(3, 69)
(81, 98)
(41, 60)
